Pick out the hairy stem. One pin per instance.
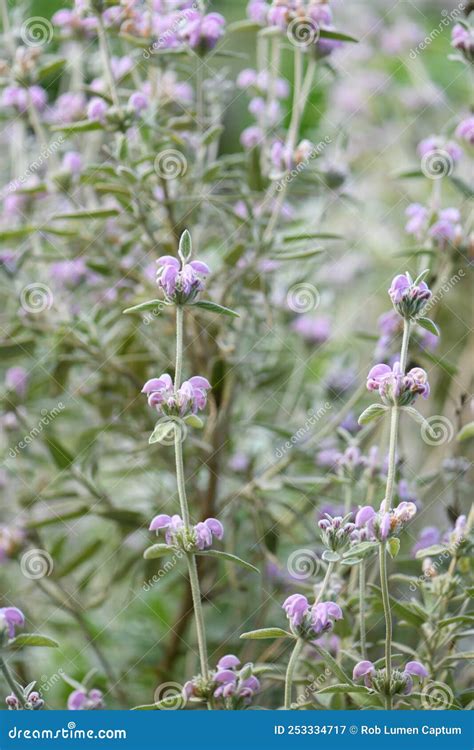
(17, 692)
(325, 583)
(363, 646)
(392, 465)
(388, 623)
(104, 49)
(183, 502)
(291, 670)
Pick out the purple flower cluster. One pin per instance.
(462, 39)
(443, 226)
(409, 297)
(465, 130)
(309, 621)
(190, 397)
(181, 281)
(336, 531)
(371, 525)
(230, 684)
(33, 702)
(85, 700)
(396, 388)
(10, 619)
(303, 18)
(438, 145)
(402, 680)
(170, 25)
(177, 534)
(264, 104)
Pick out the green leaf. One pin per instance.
(374, 411)
(162, 431)
(50, 68)
(185, 246)
(128, 518)
(393, 547)
(340, 688)
(82, 126)
(87, 215)
(266, 633)
(30, 639)
(212, 134)
(361, 550)
(194, 421)
(429, 325)
(463, 187)
(312, 236)
(157, 550)
(417, 417)
(17, 233)
(83, 556)
(297, 254)
(408, 174)
(245, 25)
(332, 664)
(435, 549)
(466, 433)
(152, 304)
(215, 308)
(328, 34)
(229, 558)
(330, 556)
(60, 455)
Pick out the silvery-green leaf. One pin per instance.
(374, 411)
(266, 633)
(162, 431)
(429, 325)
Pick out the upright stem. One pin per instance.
(392, 457)
(198, 613)
(405, 342)
(388, 623)
(290, 671)
(11, 682)
(104, 48)
(179, 347)
(392, 461)
(363, 646)
(183, 502)
(326, 580)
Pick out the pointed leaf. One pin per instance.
(30, 639)
(157, 550)
(229, 558)
(152, 304)
(429, 325)
(466, 433)
(185, 246)
(162, 431)
(266, 633)
(215, 308)
(374, 411)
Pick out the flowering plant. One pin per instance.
(212, 191)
